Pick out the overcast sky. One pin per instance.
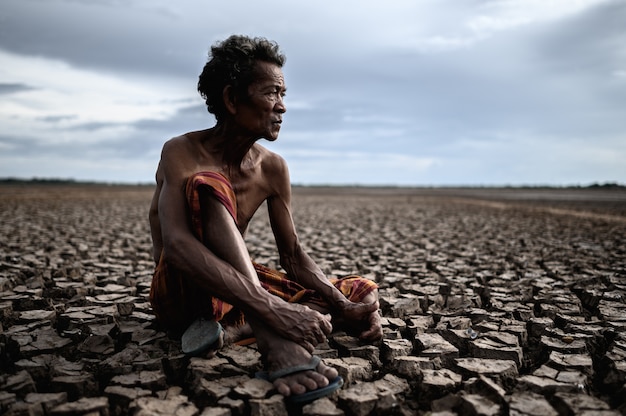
(414, 92)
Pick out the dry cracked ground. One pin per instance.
(494, 302)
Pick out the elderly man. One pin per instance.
(209, 185)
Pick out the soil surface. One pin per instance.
(494, 302)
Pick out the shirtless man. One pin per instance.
(244, 88)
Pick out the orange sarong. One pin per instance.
(176, 302)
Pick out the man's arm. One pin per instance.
(294, 259)
(153, 217)
(183, 251)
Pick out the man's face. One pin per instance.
(261, 114)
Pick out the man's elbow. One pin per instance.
(173, 250)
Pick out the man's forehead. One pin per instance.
(267, 72)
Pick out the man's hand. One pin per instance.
(301, 324)
(364, 315)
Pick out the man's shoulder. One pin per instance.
(269, 159)
(177, 154)
(272, 164)
(183, 147)
(178, 141)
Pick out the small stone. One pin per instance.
(360, 400)
(149, 380)
(6, 400)
(435, 346)
(545, 371)
(419, 324)
(391, 389)
(120, 397)
(446, 404)
(248, 359)
(565, 345)
(20, 384)
(44, 341)
(370, 353)
(254, 388)
(47, 400)
(520, 331)
(97, 345)
(489, 348)
(175, 367)
(172, 405)
(579, 362)
(322, 407)
(437, 383)
(530, 404)
(274, 406)
(574, 378)
(409, 366)
(210, 391)
(394, 323)
(537, 326)
(213, 368)
(345, 342)
(125, 308)
(23, 408)
(36, 315)
(474, 404)
(405, 306)
(76, 386)
(210, 369)
(392, 348)
(573, 403)
(543, 385)
(503, 371)
(351, 369)
(216, 411)
(83, 406)
(485, 386)
(237, 406)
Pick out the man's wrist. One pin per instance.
(339, 303)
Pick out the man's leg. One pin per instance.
(222, 236)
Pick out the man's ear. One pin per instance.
(230, 99)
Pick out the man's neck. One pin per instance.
(233, 145)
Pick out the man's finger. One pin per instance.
(373, 306)
(366, 307)
(372, 334)
(326, 327)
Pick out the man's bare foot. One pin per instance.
(290, 354)
(281, 354)
(234, 334)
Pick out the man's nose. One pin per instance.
(280, 105)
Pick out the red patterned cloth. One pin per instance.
(176, 302)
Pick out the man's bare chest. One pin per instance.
(250, 194)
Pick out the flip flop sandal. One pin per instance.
(309, 396)
(201, 335)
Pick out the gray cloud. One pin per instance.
(13, 88)
(417, 84)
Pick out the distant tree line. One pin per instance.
(61, 181)
(58, 181)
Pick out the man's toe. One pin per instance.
(326, 373)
